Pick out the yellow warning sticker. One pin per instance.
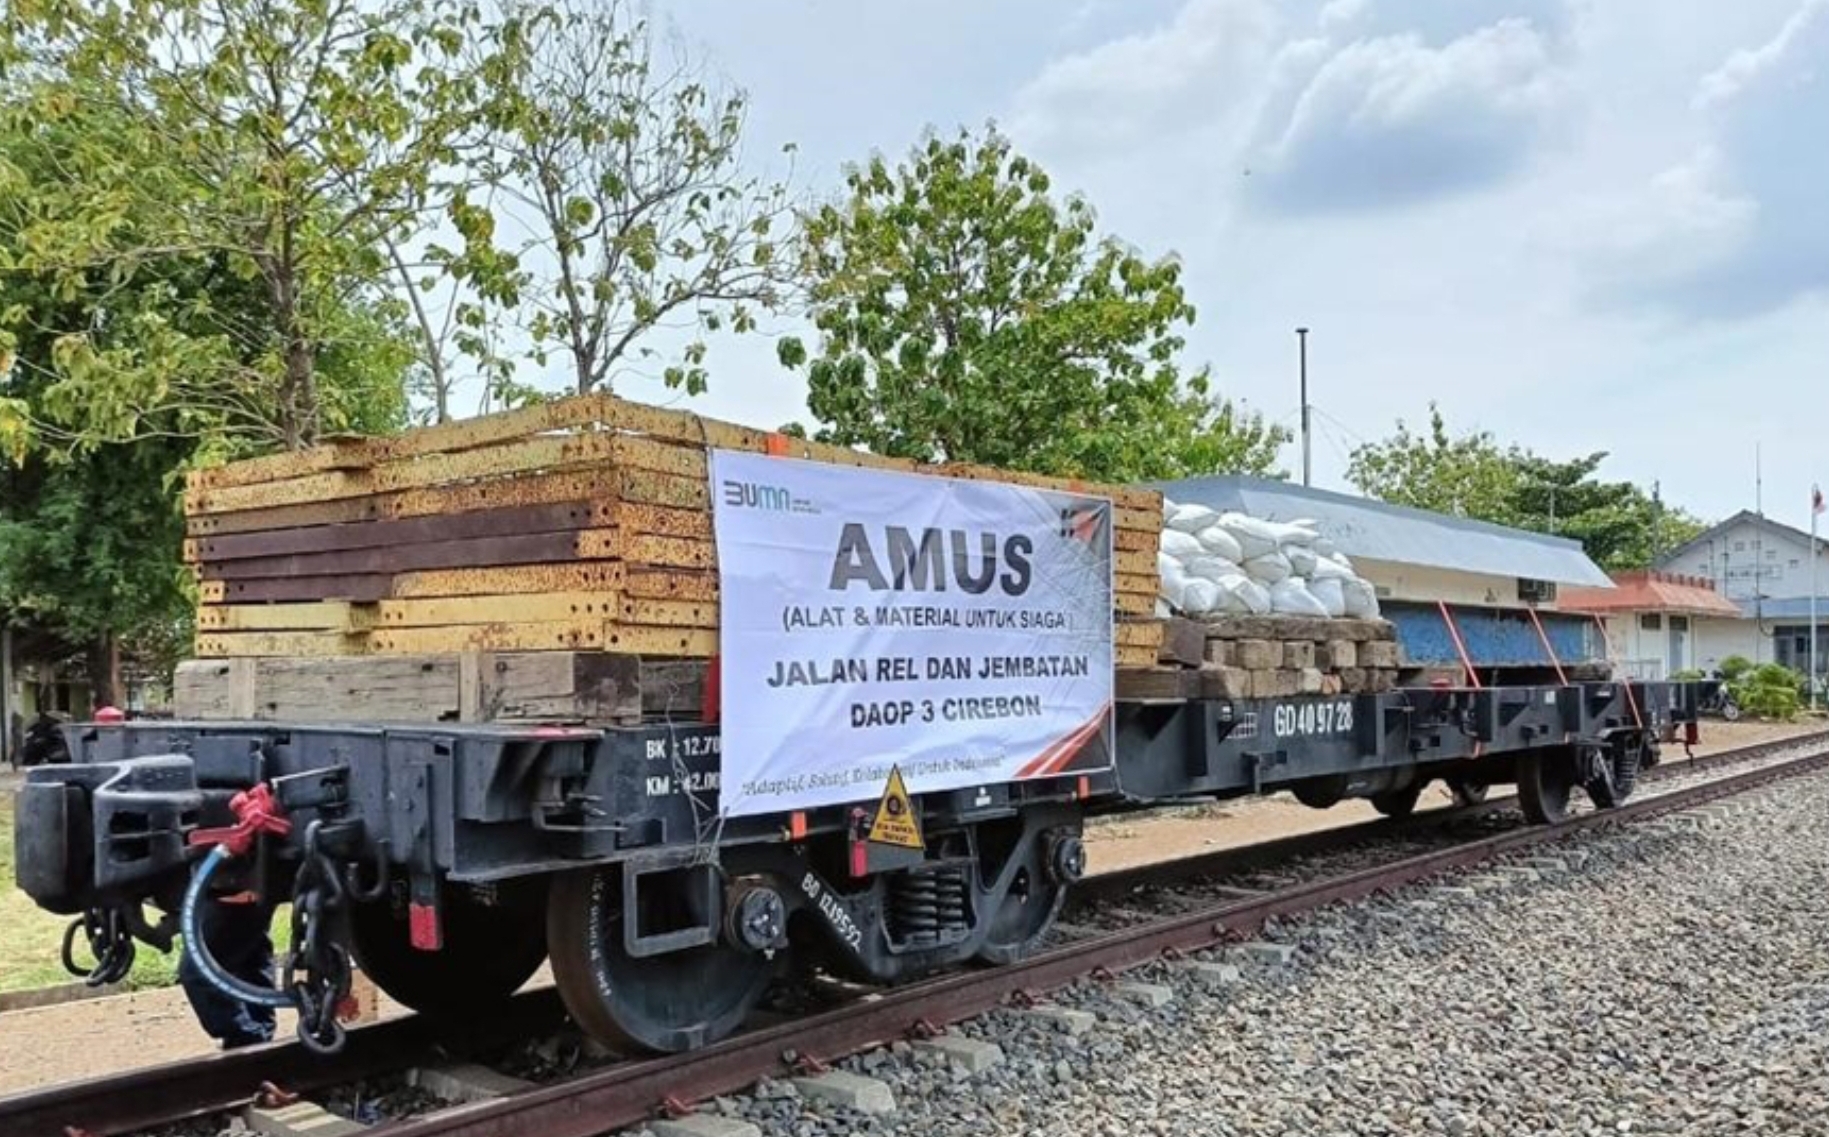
(895, 822)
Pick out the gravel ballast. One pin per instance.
(1675, 981)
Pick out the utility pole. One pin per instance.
(1758, 554)
(1307, 454)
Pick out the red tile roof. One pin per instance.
(1651, 591)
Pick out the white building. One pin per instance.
(1768, 570)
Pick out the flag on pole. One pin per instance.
(1816, 499)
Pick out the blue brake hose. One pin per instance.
(191, 927)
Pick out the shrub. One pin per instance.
(1687, 675)
(1734, 666)
(1768, 691)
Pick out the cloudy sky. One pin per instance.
(1581, 224)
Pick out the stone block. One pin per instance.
(1183, 641)
(466, 1082)
(1209, 974)
(703, 1125)
(973, 1056)
(1298, 654)
(1222, 653)
(1336, 654)
(1278, 684)
(300, 1119)
(1382, 680)
(1144, 994)
(852, 1091)
(1354, 680)
(1259, 655)
(1225, 683)
(1309, 681)
(1064, 1019)
(1264, 952)
(1331, 685)
(1379, 654)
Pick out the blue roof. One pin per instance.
(1376, 530)
(1788, 609)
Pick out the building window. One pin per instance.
(1679, 623)
(1740, 546)
(1650, 621)
(1771, 554)
(1796, 562)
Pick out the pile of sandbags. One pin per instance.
(1228, 564)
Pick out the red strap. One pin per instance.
(1638, 720)
(1460, 645)
(1561, 676)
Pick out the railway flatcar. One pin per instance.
(449, 862)
(924, 689)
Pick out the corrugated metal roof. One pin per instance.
(1645, 591)
(1790, 609)
(1362, 527)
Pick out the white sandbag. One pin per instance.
(1172, 577)
(1341, 560)
(1302, 559)
(1287, 533)
(1325, 547)
(1164, 609)
(1210, 568)
(1361, 598)
(1271, 568)
(1215, 540)
(1327, 568)
(1291, 598)
(1245, 597)
(1181, 545)
(1199, 597)
(1253, 537)
(1331, 595)
(1191, 518)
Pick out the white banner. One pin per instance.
(960, 631)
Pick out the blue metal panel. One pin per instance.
(1494, 637)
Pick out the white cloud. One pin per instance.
(1165, 79)
(1349, 116)
(1737, 227)
(1392, 121)
(1745, 67)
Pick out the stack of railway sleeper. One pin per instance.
(1268, 657)
(579, 526)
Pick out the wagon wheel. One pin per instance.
(489, 950)
(671, 1002)
(1398, 802)
(1545, 780)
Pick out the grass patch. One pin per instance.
(31, 939)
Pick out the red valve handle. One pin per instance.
(255, 813)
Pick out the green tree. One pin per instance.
(1472, 475)
(620, 206)
(965, 314)
(286, 142)
(90, 533)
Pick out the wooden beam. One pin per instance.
(321, 616)
(593, 576)
(534, 608)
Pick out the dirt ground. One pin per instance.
(106, 1035)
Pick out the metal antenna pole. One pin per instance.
(1307, 452)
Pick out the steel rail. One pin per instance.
(177, 1091)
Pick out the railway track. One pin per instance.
(1099, 935)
